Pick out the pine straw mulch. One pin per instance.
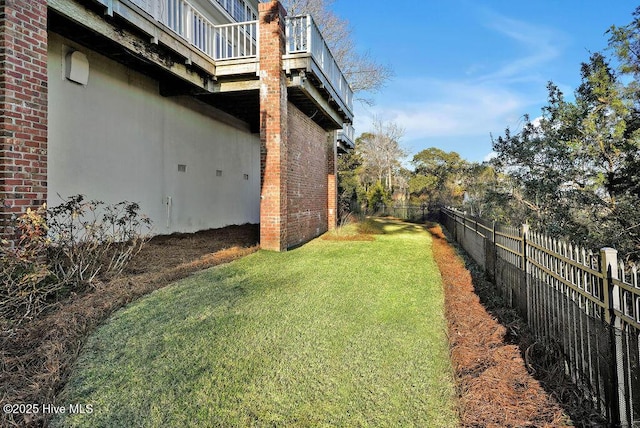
(35, 359)
(504, 377)
(494, 387)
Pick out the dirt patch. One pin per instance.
(494, 387)
(35, 359)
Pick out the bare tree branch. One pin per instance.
(363, 73)
(381, 151)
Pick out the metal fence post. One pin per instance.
(493, 231)
(609, 271)
(494, 251)
(463, 240)
(525, 269)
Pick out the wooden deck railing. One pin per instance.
(240, 40)
(220, 42)
(304, 36)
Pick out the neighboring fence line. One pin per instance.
(586, 302)
(406, 212)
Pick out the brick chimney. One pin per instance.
(23, 108)
(273, 128)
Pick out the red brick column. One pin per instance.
(23, 107)
(273, 128)
(332, 182)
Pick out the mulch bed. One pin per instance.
(494, 387)
(35, 359)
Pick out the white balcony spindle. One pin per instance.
(257, 34)
(309, 42)
(234, 42)
(225, 42)
(189, 28)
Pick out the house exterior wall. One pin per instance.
(307, 191)
(117, 139)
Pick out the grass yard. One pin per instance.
(335, 333)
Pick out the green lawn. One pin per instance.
(330, 334)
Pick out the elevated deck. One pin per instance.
(174, 41)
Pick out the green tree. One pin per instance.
(478, 181)
(574, 170)
(352, 195)
(437, 177)
(374, 162)
(625, 43)
(381, 154)
(539, 163)
(378, 197)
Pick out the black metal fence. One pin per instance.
(405, 212)
(586, 302)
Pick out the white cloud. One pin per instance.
(489, 156)
(476, 106)
(539, 46)
(450, 109)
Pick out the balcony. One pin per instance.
(219, 63)
(307, 50)
(218, 42)
(346, 138)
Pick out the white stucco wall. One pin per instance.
(117, 139)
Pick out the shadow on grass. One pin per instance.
(388, 226)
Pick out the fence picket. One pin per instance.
(584, 301)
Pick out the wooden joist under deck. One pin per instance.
(200, 72)
(326, 93)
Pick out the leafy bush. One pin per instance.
(65, 248)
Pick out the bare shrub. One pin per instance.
(91, 238)
(63, 249)
(26, 281)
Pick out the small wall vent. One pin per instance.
(77, 67)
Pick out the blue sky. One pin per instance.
(466, 69)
